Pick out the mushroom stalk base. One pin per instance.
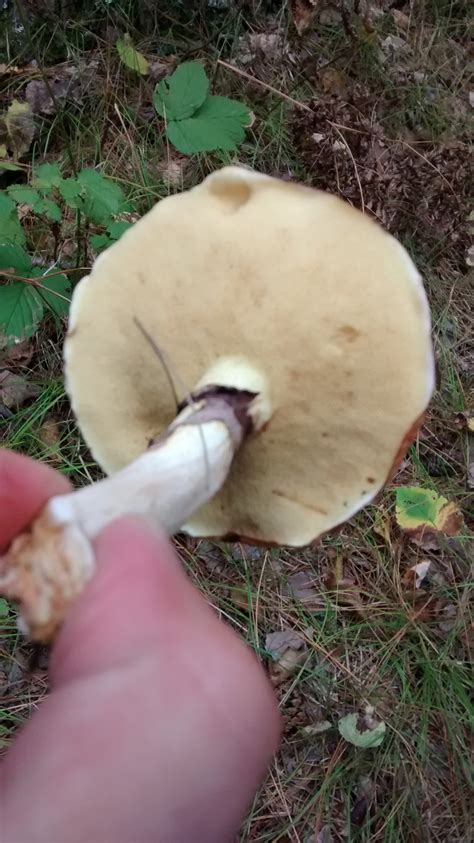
(48, 566)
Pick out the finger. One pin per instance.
(161, 721)
(25, 486)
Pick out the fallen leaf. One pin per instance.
(16, 356)
(49, 435)
(335, 82)
(130, 57)
(288, 652)
(382, 526)
(424, 516)
(415, 575)
(361, 730)
(15, 390)
(17, 128)
(303, 13)
(317, 728)
(346, 590)
(301, 588)
(277, 642)
(173, 169)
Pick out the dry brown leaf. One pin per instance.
(15, 390)
(301, 587)
(346, 591)
(49, 435)
(288, 651)
(415, 575)
(17, 128)
(303, 13)
(17, 356)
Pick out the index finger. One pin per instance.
(25, 487)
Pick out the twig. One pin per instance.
(273, 90)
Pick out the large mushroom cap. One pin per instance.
(248, 274)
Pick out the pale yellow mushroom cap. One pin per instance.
(254, 282)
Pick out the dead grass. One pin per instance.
(393, 120)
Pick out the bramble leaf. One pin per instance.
(181, 94)
(11, 230)
(71, 192)
(102, 197)
(130, 56)
(55, 291)
(46, 177)
(219, 124)
(21, 311)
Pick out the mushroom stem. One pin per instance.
(48, 566)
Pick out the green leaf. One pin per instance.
(99, 241)
(49, 209)
(21, 311)
(218, 124)
(17, 128)
(47, 177)
(117, 228)
(130, 56)
(4, 608)
(102, 197)
(366, 737)
(55, 291)
(12, 256)
(8, 165)
(10, 227)
(182, 93)
(24, 195)
(423, 514)
(71, 192)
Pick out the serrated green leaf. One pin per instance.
(102, 197)
(117, 228)
(182, 93)
(130, 56)
(24, 195)
(49, 208)
(12, 256)
(46, 177)
(55, 291)
(71, 192)
(218, 124)
(11, 230)
(99, 241)
(21, 311)
(367, 738)
(17, 128)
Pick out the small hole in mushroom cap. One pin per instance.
(232, 192)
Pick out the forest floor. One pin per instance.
(372, 104)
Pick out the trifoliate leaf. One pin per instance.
(46, 177)
(218, 124)
(355, 729)
(102, 197)
(13, 257)
(71, 192)
(10, 227)
(21, 310)
(55, 291)
(423, 515)
(17, 128)
(130, 56)
(24, 195)
(182, 93)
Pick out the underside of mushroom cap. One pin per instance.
(249, 280)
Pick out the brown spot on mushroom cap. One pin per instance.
(248, 266)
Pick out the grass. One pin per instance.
(369, 641)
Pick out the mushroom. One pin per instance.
(297, 333)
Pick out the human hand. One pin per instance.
(160, 724)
